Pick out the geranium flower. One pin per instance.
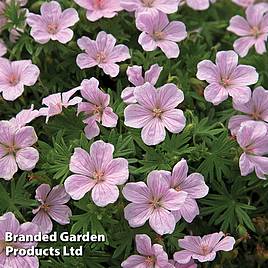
(253, 139)
(190, 264)
(135, 77)
(203, 249)
(15, 75)
(97, 9)
(97, 171)
(254, 30)
(199, 4)
(102, 53)
(56, 102)
(3, 48)
(52, 205)
(9, 223)
(157, 31)
(24, 117)
(155, 111)
(255, 109)
(150, 255)
(151, 6)
(154, 202)
(53, 23)
(96, 108)
(227, 78)
(194, 185)
(16, 150)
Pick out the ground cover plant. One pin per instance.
(141, 120)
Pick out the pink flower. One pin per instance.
(8, 223)
(194, 185)
(24, 117)
(96, 108)
(151, 6)
(190, 264)
(52, 205)
(102, 53)
(16, 150)
(227, 78)
(53, 23)
(254, 30)
(199, 4)
(15, 75)
(156, 111)
(203, 249)
(3, 48)
(154, 202)
(157, 31)
(56, 103)
(135, 77)
(253, 139)
(244, 3)
(97, 171)
(151, 255)
(97, 9)
(255, 109)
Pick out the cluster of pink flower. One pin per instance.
(167, 197)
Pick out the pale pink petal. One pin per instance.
(239, 26)
(134, 74)
(162, 221)
(109, 118)
(243, 45)
(104, 194)
(208, 71)
(144, 245)
(254, 15)
(170, 48)
(260, 46)
(246, 166)
(240, 93)
(174, 120)
(8, 167)
(27, 158)
(152, 74)
(60, 213)
(134, 261)
(42, 192)
(81, 163)
(64, 36)
(137, 214)
(169, 97)
(173, 200)
(189, 210)
(101, 154)
(30, 75)
(13, 92)
(43, 221)
(175, 31)
(116, 172)
(119, 53)
(127, 95)
(84, 61)
(153, 132)
(226, 61)
(111, 69)
(198, 4)
(25, 137)
(183, 256)
(57, 196)
(77, 186)
(147, 42)
(92, 129)
(137, 192)
(226, 244)
(157, 185)
(147, 96)
(236, 121)
(137, 116)
(244, 75)
(215, 93)
(69, 17)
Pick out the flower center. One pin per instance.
(256, 116)
(156, 203)
(157, 112)
(4, 244)
(52, 28)
(98, 176)
(178, 188)
(148, 3)
(45, 207)
(150, 260)
(101, 57)
(98, 110)
(205, 250)
(98, 4)
(13, 80)
(11, 149)
(256, 32)
(225, 82)
(158, 35)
